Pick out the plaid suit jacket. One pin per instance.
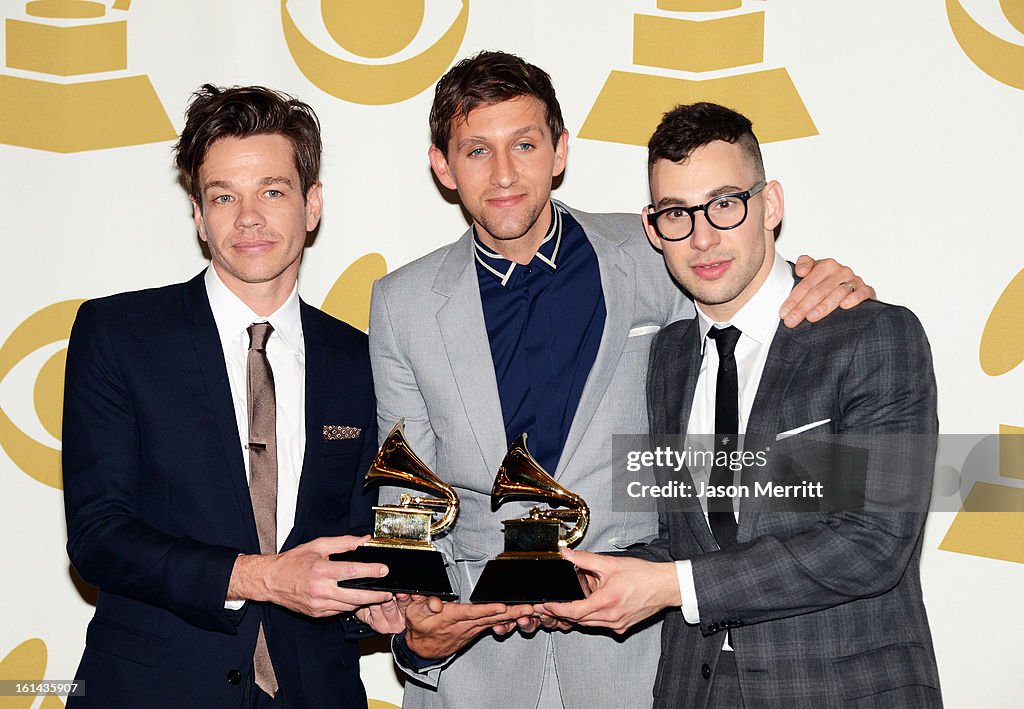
(824, 607)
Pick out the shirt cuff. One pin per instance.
(234, 605)
(688, 592)
(409, 659)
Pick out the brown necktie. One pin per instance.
(262, 472)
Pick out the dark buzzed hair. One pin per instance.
(214, 113)
(686, 128)
(485, 79)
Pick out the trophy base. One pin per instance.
(409, 571)
(528, 579)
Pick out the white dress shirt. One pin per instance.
(757, 321)
(287, 354)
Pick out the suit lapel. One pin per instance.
(618, 283)
(210, 354)
(315, 375)
(784, 359)
(683, 362)
(676, 379)
(464, 333)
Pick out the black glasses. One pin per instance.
(725, 212)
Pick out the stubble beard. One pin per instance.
(511, 229)
(713, 293)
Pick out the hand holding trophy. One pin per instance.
(531, 569)
(402, 533)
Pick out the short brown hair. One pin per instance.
(688, 127)
(484, 79)
(240, 112)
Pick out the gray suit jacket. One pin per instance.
(824, 608)
(432, 365)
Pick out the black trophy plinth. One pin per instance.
(527, 580)
(420, 571)
(530, 570)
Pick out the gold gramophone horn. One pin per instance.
(520, 475)
(396, 461)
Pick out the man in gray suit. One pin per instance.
(539, 319)
(794, 605)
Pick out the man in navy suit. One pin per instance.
(169, 491)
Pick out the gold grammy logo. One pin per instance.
(991, 521)
(373, 29)
(1002, 60)
(72, 38)
(50, 325)
(349, 297)
(348, 300)
(631, 103)
(27, 663)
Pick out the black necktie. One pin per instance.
(720, 509)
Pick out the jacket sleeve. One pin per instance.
(398, 397)
(110, 545)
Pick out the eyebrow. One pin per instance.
(465, 142)
(226, 184)
(708, 196)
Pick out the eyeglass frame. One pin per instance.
(652, 217)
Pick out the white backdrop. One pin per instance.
(912, 177)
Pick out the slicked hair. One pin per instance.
(688, 127)
(214, 113)
(484, 79)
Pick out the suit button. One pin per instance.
(705, 671)
(713, 627)
(234, 677)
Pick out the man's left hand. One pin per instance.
(826, 285)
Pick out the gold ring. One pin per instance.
(847, 283)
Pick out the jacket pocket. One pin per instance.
(882, 669)
(124, 642)
(636, 528)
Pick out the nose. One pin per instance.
(704, 236)
(503, 170)
(249, 214)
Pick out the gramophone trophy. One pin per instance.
(402, 532)
(531, 569)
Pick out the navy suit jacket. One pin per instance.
(158, 505)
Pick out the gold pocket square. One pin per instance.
(341, 433)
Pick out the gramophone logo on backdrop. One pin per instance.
(631, 104)
(374, 30)
(66, 42)
(991, 520)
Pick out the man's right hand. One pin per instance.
(304, 580)
(437, 629)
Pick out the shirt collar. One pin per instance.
(547, 253)
(233, 317)
(759, 316)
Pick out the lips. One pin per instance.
(255, 246)
(711, 270)
(506, 201)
